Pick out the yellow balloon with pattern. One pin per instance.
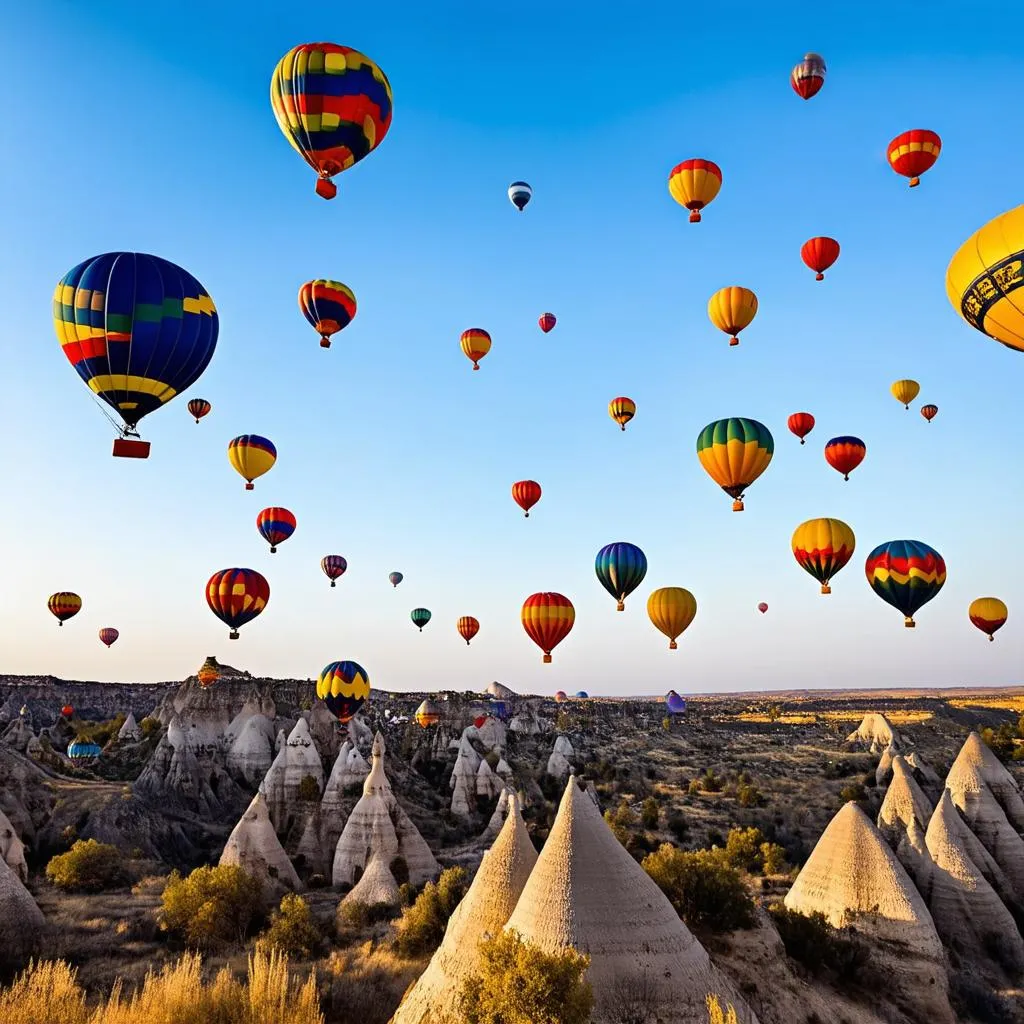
(988, 614)
(731, 309)
(671, 609)
(905, 391)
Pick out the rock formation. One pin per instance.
(12, 849)
(360, 734)
(253, 846)
(19, 734)
(926, 776)
(376, 886)
(488, 785)
(297, 760)
(875, 732)
(975, 758)
(326, 730)
(503, 770)
(501, 692)
(130, 731)
(903, 819)
(883, 773)
(560, 761)
(463, 785)
(491, 734)
(21, 921)
(528, 722)
(498, 817)
(252, 751)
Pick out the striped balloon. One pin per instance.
(343, 686)
(64, 605)
(621, 568)
(988, 614)
(622, 410)
(329, 306)
(237, 596)
(519, 194)
(906, 574)
(394, 578)
(108, 635)
(548, 619)
(275, 526)
(199, 407)
(844, 454)
(334, 567)
(731, 309)
(734, 453)
(251, 456)
(913, 152)
(822, 547)
(476, 343)
(468, 627)
(420, 617)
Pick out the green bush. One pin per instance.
(420, 929)
(622, 821)
(855, 791)
(293, 929)
(773, 859)
(822, 949)
(711, 783)
(743, 849)
(650, 813)
(150, 727)
(88, 866)
(213, 906)
(309, 788)
(750, 796)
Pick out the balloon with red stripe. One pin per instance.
(548, 618)
(237, 596)
(906, 574)
(275, 525)
(328, 306)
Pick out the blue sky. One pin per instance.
(148, 127)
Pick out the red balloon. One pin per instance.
(801, 424)
(468, 628)
(808, 76)
(67, 711)
(526, 494)
(913, 152)
(929, 412)
(479, 721)
(108, 635)
(547, 321)
(547, 618)
(819, 254)
(845, 454)
(762, 607)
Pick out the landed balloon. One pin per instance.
(519, 194)
(275, 526)
(561, 696)
(906, 574)
(67, 711)
(671, 610)
(808, 76)
(914, 152)
(622, 410)
(328, 306)
(734, 453)
(198, 408)
(334, 567)
(548, 619)
(819, 254)
(394, 578)
(905, 391)
(108, 636)
(731, 309)
(251, 456)
(844, 454)
(801, 424)
(674, 704)
(620, 568)
(693, 184)
(420, 617)
(138, 330)
(762, 607)
(988, 614)
(476, 343)
(929, 412)
(526, 494)
(822, 547)
(333, 105)
(428, 714)
(343, 686)
(64, 605)
(581, 694)
(209, 672)
(547, 321)
(468, 627)
(237, 596)
(83, 750)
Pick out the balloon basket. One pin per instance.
(914, 182)
(826, 589)
(250, 486)
(695, 216)
(620, 607)
(233, 635)
(325, 342)
(820, 277)
(673, 646)
(910, 623)
(326, 188)
(333, 583)
(733, 342)
(126, 448)
(737, 506)
(547, 659)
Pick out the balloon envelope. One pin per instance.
(622, 410)
(808, 76)
(671, 610)
(519, 194)
(548, 618)
(334, 567)
(674, 704)
(801, 424)
(420, 617)
(251, 456)
(988, 614)
(108, 635)
(237, 596)
(844, 454)
(906, 574)
(468, 628)
(395, 578)
(328, 306)
(693, 184)
(343, 686)
(275, 525)
(198, 408)
(547, 321)
(819, 254)
(822, 547)
(620, 569)
(734, 453)
(526, 494)
(64, 605)
(731, 309)
(912, 153)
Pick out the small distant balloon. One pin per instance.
(108, 635)
(209, 672)
(693, 184)
(801, 424)
(988, 614)
(468, 627)
(64, 605)
(914, 152)
(420, 617)
(622, 410)
(762, 607)
(674, 704)
(519, 194)
(328, 306)
(819, 254)
(395, 578)
(428, 714)
(334, 567)
(199, 407)
(275, 526)
(251, 456)
(526, 494)
(560, 696)
(476, 343)
(67, 711)
(905, 391)
(929, 412)
(808, 76)
(547, 321)
(731, 309)
(845, 454)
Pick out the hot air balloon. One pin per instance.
(237, 596)
(343, 686)
(984, 276)
(819, 254)
(581, 694)
(674, 704)
(199, 407)
(275, 525)
(822, 547)
(334, 567)
(731, 309)
(139, 330)
(734, 453)
(333, 105)
(905, 391)
(395, 578)
(108, 635)
(476, 343)
(251, 456)
(671, 609)
(906, 574)
(526, 494)
(547, 321)
(622, 410)
(468, 627)
(329, 306)
(762, 607)
(988, 614)
(64, 605)
(209, 672)
(519, 194)
(479, 721)
(67, 711)
(694, 184)
(913, 152)
(801, 424)
(560, 696)
(620, 569)
(548, 619)
(83, 749)
(428, 714)
(929, 412)
(845, 454)
(808, 76)
(420, 617)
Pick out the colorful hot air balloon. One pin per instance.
(343, 686)
(526, 494)
(209, 672)
(275, 526)
(620, 569)
(333, 105)
(548, 619)
(906, 574)
(913, 152)
(108, 635)
(547, 321)
(519, 194)
(237, 596)
(468, 627)
(762, 607)
(622, 410)
(199, 407)
(329, 306)
(138, 329)
(83, 749)
(674, 704)
(581, 694)
(560, 696)
(984, 276)
(394, 578)
(64, 605)
(420, 617)
(476, 343)
(334, 567)
(819, 254)
(801, 424)
(734, 453)
(67, 711)
(822, 547)
(929, 412)
(671, 609)
(731, 309)
(808, 76)
(845, 454)
(428, 714)
(251, 456)
(905, 391)
(988, 614)
(694, 184)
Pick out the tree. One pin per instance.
(650, 813)
(211, 907)
(293, 929)
(421, 927)
(88, 866)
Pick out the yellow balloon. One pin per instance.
(731, 309)
(822, 547)
(251, 456)
(988, 614)
(671, 609)
(984, 277)
(905, 391)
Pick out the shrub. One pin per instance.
(1000, 740)
(694, 787)
(702, 886)
(743, 849)
(750, 796)
(812, 941)
(421, 927)
(711, 783)
(677, 825)
(650, 813)
(718, 1015)
(88, 866)
(855, 791)
(521, 984)
(293, 930)
(773, 859)
(666, 724)
(213, 906)
(621, 821)
(309, 788)
(150, 727)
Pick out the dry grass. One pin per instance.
(367, 984)
(895, 717)
(991, 703)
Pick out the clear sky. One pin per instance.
(147, 127)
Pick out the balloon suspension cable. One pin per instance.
(124, 431)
